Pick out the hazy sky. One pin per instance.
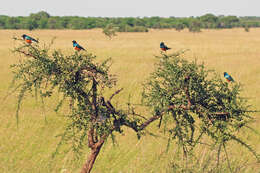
(122, 8)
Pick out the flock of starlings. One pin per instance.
(77, 47)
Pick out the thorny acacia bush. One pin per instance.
(45, 72)
(190, 101)
(194, 102)
(81, 80)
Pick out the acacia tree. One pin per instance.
(180, 93)
(110, 31)
(193, 102)
(82, 81)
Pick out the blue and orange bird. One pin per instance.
(77, 46)
(29, 39)
(164, 47)
(228, 77)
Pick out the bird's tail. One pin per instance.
(35, 40)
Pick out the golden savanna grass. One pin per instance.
(28, 148)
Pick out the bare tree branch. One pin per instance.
(115, 93)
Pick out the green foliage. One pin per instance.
(209, 21)
(43, 20)
(127, 28)
(195, 26)
(195, 102)
(3, 20)
(179, 26)
(247, 28)
(45, 72)
(110, 31)
(82, 82)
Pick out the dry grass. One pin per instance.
(27, 149)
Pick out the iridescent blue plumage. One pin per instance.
(29, 39)
(228, 77)
(77, 46)
(164, 47)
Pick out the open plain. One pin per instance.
(28, 148)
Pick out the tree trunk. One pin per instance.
(87, 167)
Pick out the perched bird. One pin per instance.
(164, 47)
(28, 39)
(77, 46)
(228, 77)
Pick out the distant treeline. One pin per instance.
(42, 20)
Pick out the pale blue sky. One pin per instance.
(123, 8)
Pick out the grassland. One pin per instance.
(28, 149)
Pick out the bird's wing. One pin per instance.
(34, 40)
(80, 47)
(230, 78)
(226, 76)
(30, 38)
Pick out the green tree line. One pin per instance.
(43, 20)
